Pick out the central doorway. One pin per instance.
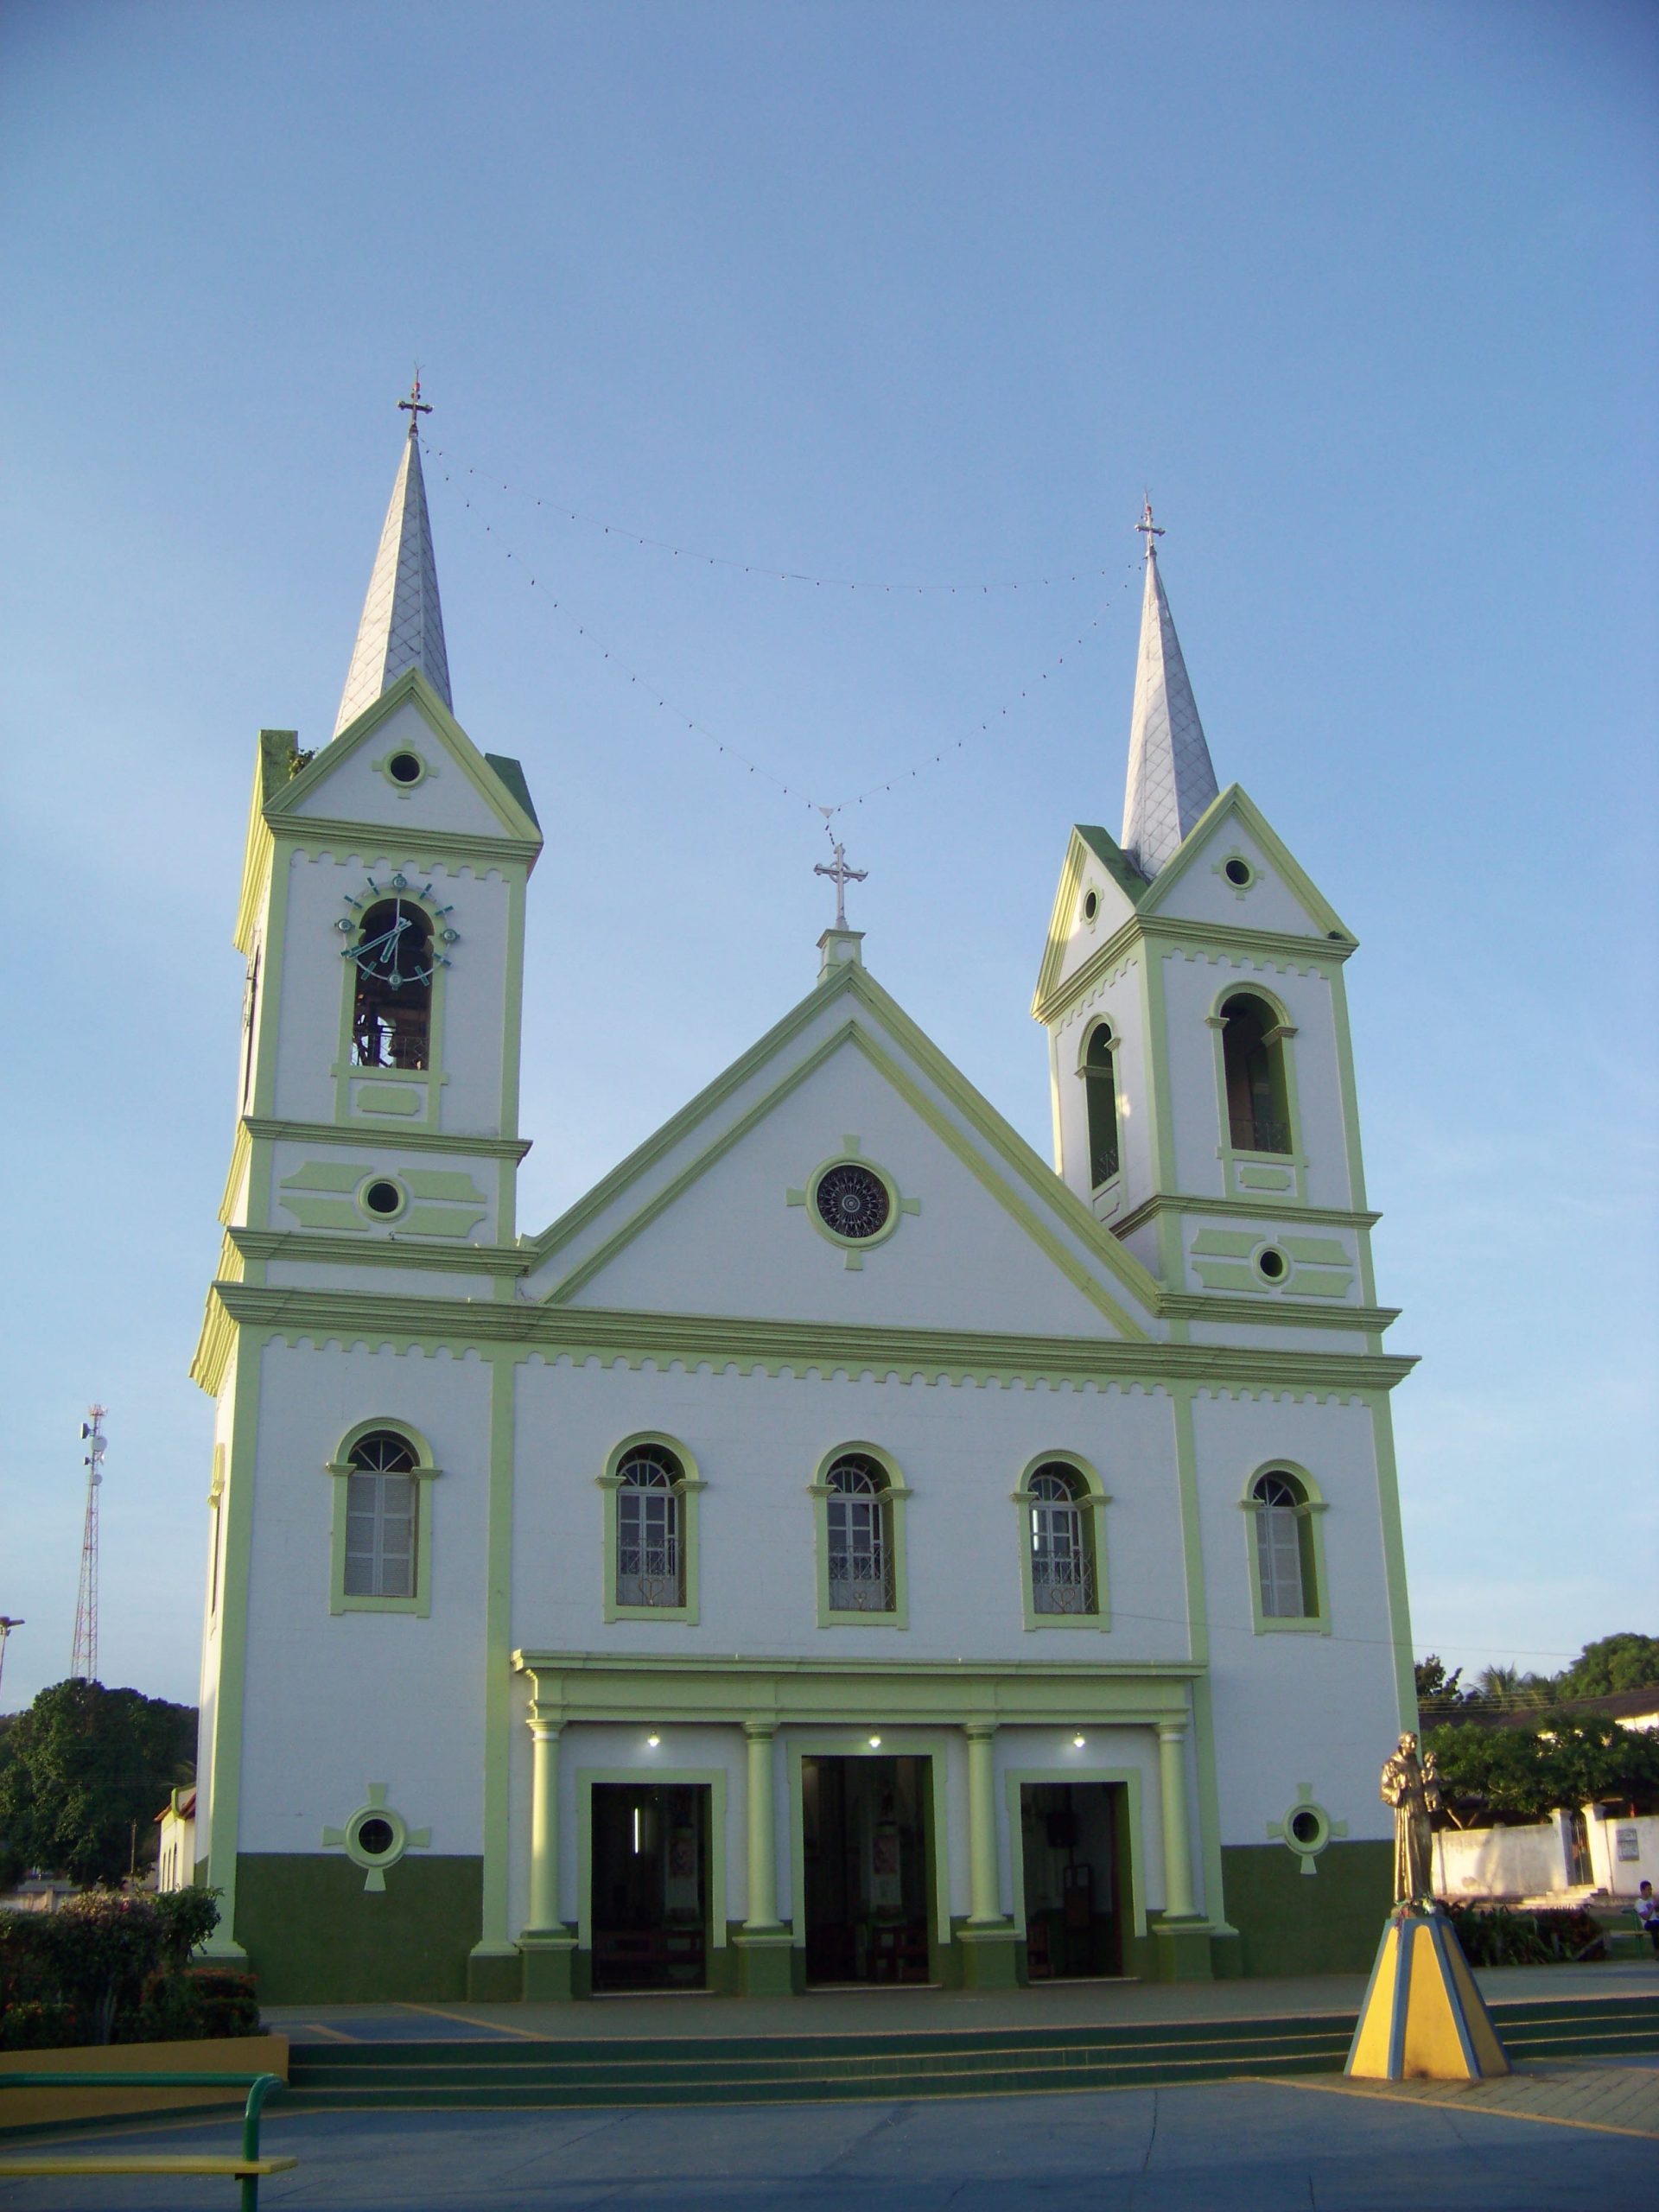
(649, 1863)
(1070, 1837)
(864, 1832)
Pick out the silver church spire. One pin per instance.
(403, 623)
(1171, 778)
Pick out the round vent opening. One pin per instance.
(375, 1838)
(384, 1198)
(405, 768)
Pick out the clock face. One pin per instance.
(395, 934)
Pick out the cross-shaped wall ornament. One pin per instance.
(376, 1837)
(841, 875)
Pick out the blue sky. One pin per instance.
(1365, 294)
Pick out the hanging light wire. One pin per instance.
(557, 603)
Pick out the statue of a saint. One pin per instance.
(1411, 1785)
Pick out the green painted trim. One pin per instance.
(1166, 934)
(688, 1491)
(218, 1821)
(449, 1257)
(896, 1509)
(404, 843)
(1348, 1092)
(635, 1336)
(1161, 1092)
(495, 1939)
(425, 1471)
(262, 1126)
(647, 1689)
(1128, 1777)
(1294, 1161)
(895, 1744)
(1310, 1517)
(1301, 1313)
(283, 808)
(1264, 1205)
(711, 1777)
(428, 1081)
(1236, 804)
(269, 935)
(512, 1025)
(1394, 1557)
(1186, 1476)
(1094, 1502)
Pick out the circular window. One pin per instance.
(1090, 905)
(405, 767)
(852, 1201)
(1272, 1264)
(1307, 1827)
(383, 1197)
(1238, 871)
(375, 1838)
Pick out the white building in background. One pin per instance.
(842, 1548)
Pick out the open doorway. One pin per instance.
(649, 1876)
(864, 1830)
(1070, 1841)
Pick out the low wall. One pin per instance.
(1535, 1860)
(206, 2055)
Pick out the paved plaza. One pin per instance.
(1236, 2146)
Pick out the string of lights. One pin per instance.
(624, 665)
(455, 468)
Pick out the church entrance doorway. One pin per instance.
(864, 1828)
(650, 1874)
(1071, 1841)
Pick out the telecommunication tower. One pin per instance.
(84, 1665)
(7, 1625)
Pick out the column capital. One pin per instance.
(1171, 1731)
(979, 1731)
(545, 1727)
(760, 1732)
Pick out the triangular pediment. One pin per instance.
(1100, 889)
(1234, 871)
(459, 790)
(719, 1212)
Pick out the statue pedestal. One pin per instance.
(1423, 2018)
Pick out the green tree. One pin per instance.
(1625, 1661)
(1526, 1773)
(1434, 1685)
(78, 1770)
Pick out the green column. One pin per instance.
(986, 1904)
(1177, 1847)
(545, 1826)
(763, 1829)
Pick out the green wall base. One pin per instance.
(1182, 1951)
(548, 1964)
(494, 1977)
(314, 1935)
(1325, 1923)
(990, 1957)
(765, 1962)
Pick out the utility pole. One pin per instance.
(83, 1667)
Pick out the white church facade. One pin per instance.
(843, 1548)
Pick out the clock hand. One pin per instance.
(388, 937)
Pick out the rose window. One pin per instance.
(852, 1201)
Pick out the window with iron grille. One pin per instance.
(1282, 1562)
(650, 1539)
(859, 1522)
(1062, 1547)
(382, 1515)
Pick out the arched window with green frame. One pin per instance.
(1253, 1060)
(1099, 1072)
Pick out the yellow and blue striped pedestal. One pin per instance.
(1423, 2018)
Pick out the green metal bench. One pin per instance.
(246, 2170)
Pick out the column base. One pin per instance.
(494, 1974)
(548, 1957)
(990, 1955)
(764, 1961)
(1181, 1948)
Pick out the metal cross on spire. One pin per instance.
(841, 875)
(415, 405)
(1148, 529)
